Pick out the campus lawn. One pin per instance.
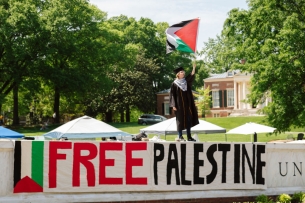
(226, 122)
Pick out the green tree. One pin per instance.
(270, 36)
(218, 55)
(203, 101)
(127, 72)
(71, 60)
(21, 41)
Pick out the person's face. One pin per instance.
(181, 74)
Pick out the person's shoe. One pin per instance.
(191, 139)
(181, 138)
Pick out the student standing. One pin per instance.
(182, 102)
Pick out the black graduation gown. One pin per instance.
(184, 103)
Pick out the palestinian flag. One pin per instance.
(182, 36)
(28, 167)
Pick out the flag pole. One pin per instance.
(195, 54)
(197, 34)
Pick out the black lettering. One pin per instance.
(198, 147)
(172, 164)
(245, 155)
(237, 163)
(160, 157)
(280, 163)
(224, 148)
(259, 165)
(183, 166)
(295, 167)
(210, 153)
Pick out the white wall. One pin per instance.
(6, 166)
(276, 183)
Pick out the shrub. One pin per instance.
(284, 198)
(263, 199)
(298, 197)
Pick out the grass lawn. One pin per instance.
(226, 122)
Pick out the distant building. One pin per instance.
(229, 92)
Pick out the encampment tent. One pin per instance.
(251, 129)
(7, 133)
(85, 127)
(169, 127)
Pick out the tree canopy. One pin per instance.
(270, 36)
(59, 55)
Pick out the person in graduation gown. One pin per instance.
(182, 102)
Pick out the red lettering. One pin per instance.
(130, 162)
(53, 157)
(103, 180)
(85, 160)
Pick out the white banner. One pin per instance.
(208, 166)
(150, 166)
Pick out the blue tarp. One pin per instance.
(7, 133)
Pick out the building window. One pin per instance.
(215, 98)
(230, 97)
(166, 109)
(216, 115)
(230, 73)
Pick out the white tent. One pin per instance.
(251, 128)
(169, 127)
(84, 127)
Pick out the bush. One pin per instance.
(284, 198)
(263, 199)
(298, 197)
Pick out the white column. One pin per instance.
(249, 105)
(235, 95)
(239, 95)
(267, 100)
(244, 94)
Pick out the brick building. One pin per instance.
(229, 92)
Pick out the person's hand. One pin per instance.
(194, 67)
(174, 108)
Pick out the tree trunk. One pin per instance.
(109, 117)
(56, 105)
(122, 116)
(127, 114)
(15, 109)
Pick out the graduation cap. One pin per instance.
(177, 70)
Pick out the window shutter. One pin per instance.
(225, 98)
(162, 108)
(211, 103)
(220, 98)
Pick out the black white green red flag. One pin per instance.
(182, 36)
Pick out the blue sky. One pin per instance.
(212, 13)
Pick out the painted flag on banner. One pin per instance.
(28, 167)
(182, 36)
